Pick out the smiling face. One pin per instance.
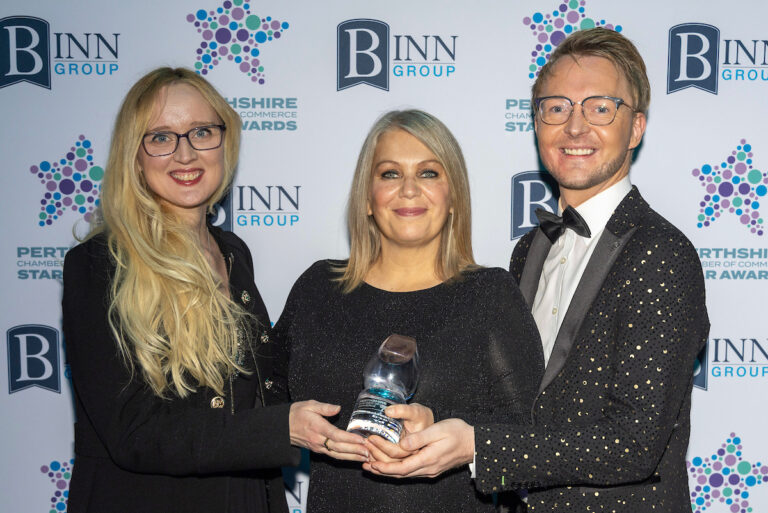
(586, 159)
(185, 180)
(410, 197)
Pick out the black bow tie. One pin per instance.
(554, 226)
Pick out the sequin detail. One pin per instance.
(614, 421)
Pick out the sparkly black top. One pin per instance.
(480, 359)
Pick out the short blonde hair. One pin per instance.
(609, 44)
(455, 253)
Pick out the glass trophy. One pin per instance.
(390, 377)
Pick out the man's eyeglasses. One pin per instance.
(597, 110)
(159, 144)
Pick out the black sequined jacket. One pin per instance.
(612, 416)
(137, 452)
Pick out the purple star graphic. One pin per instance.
(71, 183)
(59, 472)
(726, 478)
(232, 32)
(733, 187)
(550, 28)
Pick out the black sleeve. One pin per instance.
(514, 360)
(139, 431)
(281, 332)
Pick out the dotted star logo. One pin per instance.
(735, 187)
(550, 28)
(233, 33)
(72, 182)
(725, 477)
(59, 472)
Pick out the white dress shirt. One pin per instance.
(567, 260)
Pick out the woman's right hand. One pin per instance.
(310, 429)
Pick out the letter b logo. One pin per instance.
(363, 54)
(693, 51)
(33, 358)
(222, 213)
(24, 51)
(700, 368)
(531, 190)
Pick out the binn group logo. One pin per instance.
(234, 33)
(700, 58)
(33, 358)
(693, 57)
(734, 187)
(28, 54)
(744, 359)
(724, 480)
(531, 190)
(363, 55)
(266, 206)
(70, 183)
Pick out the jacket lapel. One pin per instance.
(534, 262)
(619, 230)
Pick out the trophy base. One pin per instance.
(368, 417)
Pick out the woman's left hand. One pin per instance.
(310, 429)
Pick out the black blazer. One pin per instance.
(136, 452)
(612, 417)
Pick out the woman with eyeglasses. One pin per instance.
(180, 400)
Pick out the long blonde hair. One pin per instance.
(455, 253)
(166, 311)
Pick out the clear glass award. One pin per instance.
(390, 377)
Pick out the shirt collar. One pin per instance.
(598, 209)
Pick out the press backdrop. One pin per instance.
(308, 80)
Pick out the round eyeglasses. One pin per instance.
(597, 110)
(160, 144)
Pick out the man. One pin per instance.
(618, 295)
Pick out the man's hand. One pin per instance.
(442, 446)
(415, 418)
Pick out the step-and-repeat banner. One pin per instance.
(308, 79)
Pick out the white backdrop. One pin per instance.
(300, 146)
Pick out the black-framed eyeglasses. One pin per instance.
(160, 144)
(597, 110)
